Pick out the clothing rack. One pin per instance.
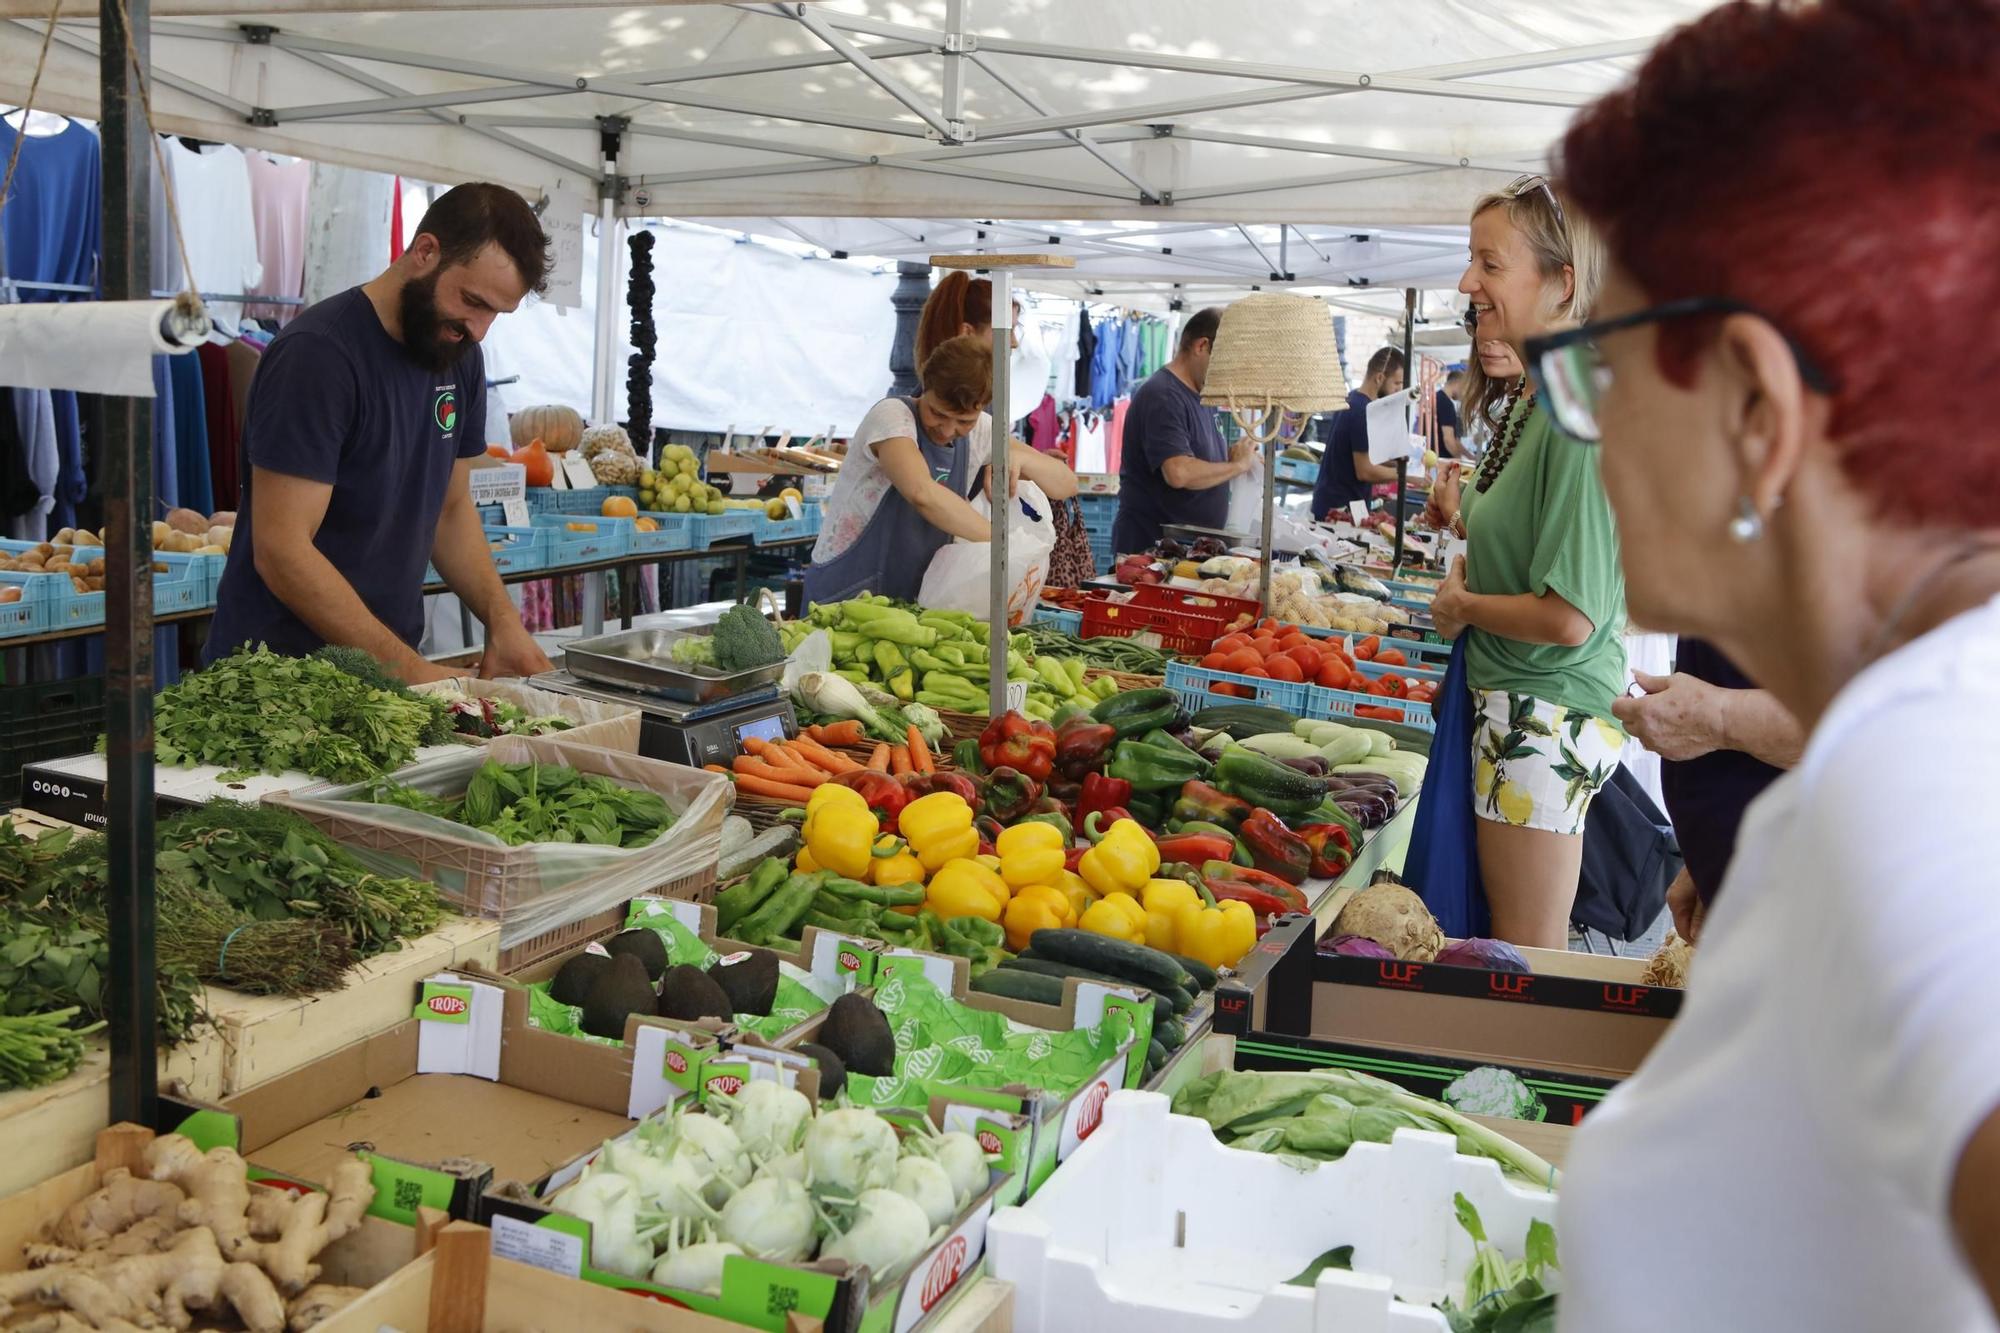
(25, 285)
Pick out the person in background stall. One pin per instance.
(362, 423)
(1176, 469)
(1449, 445)
(1345, 474)
(911, 463)
(1538, 593)
(1721, 742)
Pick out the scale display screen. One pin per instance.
(770, 728)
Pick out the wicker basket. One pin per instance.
(538, 890)
(1126, 679)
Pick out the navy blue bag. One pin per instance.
(1443, 861)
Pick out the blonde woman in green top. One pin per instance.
(1538, 593)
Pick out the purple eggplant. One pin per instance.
(1311, 764)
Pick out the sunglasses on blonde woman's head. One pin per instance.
(1522, 186)
(1570, 376)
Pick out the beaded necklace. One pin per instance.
(1510, 436)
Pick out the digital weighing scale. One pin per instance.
(684, 733)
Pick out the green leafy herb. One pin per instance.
(257, 711)
(1341, 1258)
(1504, 1297)
(530, 802)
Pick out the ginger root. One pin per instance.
(217, 1185)
(320, 1301)
(122, 1202)
(314, 1222)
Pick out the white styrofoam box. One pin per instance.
(1154, 1225)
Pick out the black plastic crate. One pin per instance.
(47, 720)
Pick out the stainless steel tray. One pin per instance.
(639, 660)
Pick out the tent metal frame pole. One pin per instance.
(78, 42)
(875, 74)
(1362, 151)
(1001, 508)
(1088, 143)
(125, 445)
(954, 66)
(601, 408)
(1409, 376)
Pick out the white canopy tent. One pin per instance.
(1384, 118)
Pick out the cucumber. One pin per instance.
(1170, 1034)
(1163, 1007)
(1135, 962)
(781, 842)
(1243, 721)
(1156, 1057)
(1019, 985)
(1202, 973)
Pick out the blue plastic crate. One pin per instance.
(605, 539)
(675, 532)
(515, 550)
(34, 612)
(1069, 622)
(1297, 469)
(1414, 671)
(770, 531)
(588, 500)
(183, 586)
(731, 525)
(1193, 684)
(1324, 705)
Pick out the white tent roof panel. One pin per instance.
(1380, 114)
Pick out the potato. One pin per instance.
(65, 537)
(160, 531)
(45, 550)
(220, 537)
(211, 550)
(85, 537)
(186, 520)
(222, 518)
(10, 593)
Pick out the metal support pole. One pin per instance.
(1409, 379)
(604, 386)
(1002, 507)
(1270, 452)
(125, 444)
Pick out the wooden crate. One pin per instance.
(462, 1287)
(263, 1036)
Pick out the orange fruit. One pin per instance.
(645, 525)
(619, 506)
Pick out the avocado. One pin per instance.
(573, 980)
(688, 993)
(622, 990)
(750, 979)
(856, 1031)
(643, 944)
(832, 1073)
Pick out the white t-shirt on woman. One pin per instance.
(1783, 1160)
(862, 483)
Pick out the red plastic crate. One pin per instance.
(1179, 630)
(1225, 609)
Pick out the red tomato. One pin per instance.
(1379, 714)
(1258, 672)
(1282, 667)
(1393, 684)
(1229, 688)
(1365, 649)
(1391, 657)
(1333, 673)
(1229, 643)
(1307, 656)
(1244, 660)
(1216, 661)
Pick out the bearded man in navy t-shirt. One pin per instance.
(362, 422)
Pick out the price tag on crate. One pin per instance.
(1017, 695)
(577, 472)
(1359, 510)
(792, 507)
(817, 487)
(516, 513)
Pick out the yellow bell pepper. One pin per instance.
(1079, 894)
(1218, 936)
(835, 793)
(900, 867)
(841, 838)
(938, 828)
(966, 888)
(1117, 915)
(988, 860)
(1122, 861)
(804, 862)
(1030, 854)
(1036, 907)
(1162, 898)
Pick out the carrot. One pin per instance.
(792, 777)
(920, 752)
(767, 787)
(791, 754)
(777, 756)
(899, 760)
(846, 732)
(823, 757)
(715, 768)
(879, 759)
(813, 731)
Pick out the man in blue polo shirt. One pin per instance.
(1175, 467)
(362, 422)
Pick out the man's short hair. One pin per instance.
(466, 218)
(1453, 377)
(1201, 324)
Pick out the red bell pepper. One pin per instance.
(1082, 746)
(1194, 848)
(885, 795)
(1261, 901)
(1102, 793)
(1020, 743)
(1242, 881)
(1007, 793)
(1332, 850)
(926, 784)
(1274, 848)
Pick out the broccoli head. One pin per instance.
(745, 640)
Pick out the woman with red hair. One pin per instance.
(1801, 204)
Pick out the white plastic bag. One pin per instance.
(959, 578)
(1246, 503)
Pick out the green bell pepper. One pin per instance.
(1152, 768)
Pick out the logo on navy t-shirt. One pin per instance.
(444, 409)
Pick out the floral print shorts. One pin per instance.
(1536, 764)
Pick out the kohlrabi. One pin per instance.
(768, 1118)
(610, 1203)
(672, 1186)
(771, 1218)
(692, 1260)
(925, 1183)
(887, 1232)
(713, 1148)
(849, 1150)
(959, 1154)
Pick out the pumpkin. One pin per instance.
(499, 451)
(556, 426)
(541, 469)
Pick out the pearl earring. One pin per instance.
(1748, 525)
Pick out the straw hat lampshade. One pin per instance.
(1273, 354)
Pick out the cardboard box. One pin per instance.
(53, 1129)
(766, 1295)
(608, 726)
(1580, 1013)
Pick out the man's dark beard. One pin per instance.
(422, 327)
